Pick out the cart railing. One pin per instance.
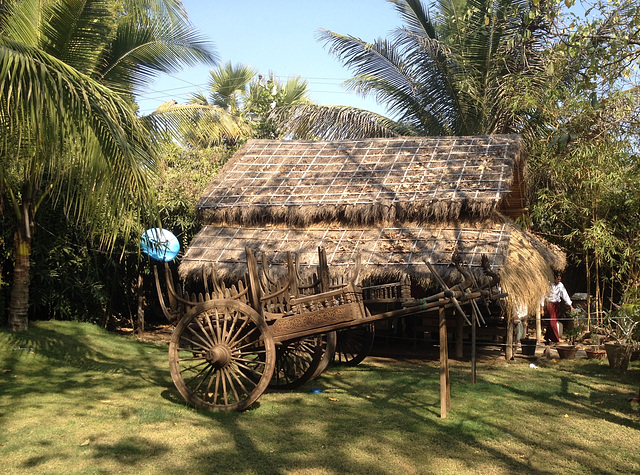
(271, 296)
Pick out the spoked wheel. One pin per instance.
(296, 362)
(221, 355)
(329, 348)
(354, 344)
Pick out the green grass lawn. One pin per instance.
(76, 399)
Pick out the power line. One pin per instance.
(309, 80)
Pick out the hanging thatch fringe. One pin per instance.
(387, 254)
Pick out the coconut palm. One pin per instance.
(451, 70)
(70, 134)
(246, 95)
(228, 85)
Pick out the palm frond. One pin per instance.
(295, 91)
(143, 48)
(77, 32)
(415, 17)
(64, 124)
(315, 122)
(229, 83)
(196, 125)
(20, 20)
(171, 9)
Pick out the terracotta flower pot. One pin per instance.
(567, 352)
(595, 353)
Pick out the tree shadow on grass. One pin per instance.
(129, 452)
(377, 418)
(89, 348)
(64, 357)
(388, 422)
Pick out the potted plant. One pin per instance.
(595, 350)
(619, 352)
(569, 351)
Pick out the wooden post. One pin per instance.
(323, 270)
(474, 323)
(445, 393)
(508, 347)
(459, 337)
(538, 324)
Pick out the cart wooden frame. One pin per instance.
(231, 343)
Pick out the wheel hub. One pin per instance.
(219, 356)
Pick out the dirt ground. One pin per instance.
(160, 334)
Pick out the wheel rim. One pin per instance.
(296, 362)
(354, 344)
(329, 349)
(221, 356)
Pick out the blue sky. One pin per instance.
(279, 36)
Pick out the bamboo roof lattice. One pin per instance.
(362, 181)
(381, 250)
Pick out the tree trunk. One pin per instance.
(140, 293)
(19, 302)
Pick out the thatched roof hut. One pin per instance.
(397, 202)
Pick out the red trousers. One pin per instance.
(553, 311)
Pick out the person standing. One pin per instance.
(557, 296)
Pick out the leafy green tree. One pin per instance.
(584, 166)
(183, 175)
(70, 134)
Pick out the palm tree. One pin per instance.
(68, 72)
(248, 97)
(452, 70)
(228, 86)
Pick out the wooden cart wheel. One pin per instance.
(296, 362)
(221, 355)
(329, 348)
(354, 344)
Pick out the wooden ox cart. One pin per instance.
(231, 343)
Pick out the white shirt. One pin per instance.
(558, 293)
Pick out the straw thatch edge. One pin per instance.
(525, 275)
(359, 215)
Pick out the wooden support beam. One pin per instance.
(323, 270)
(445, 392)
(474, 323)
(538, 324)
(508, 347)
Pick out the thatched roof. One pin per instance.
(396, 202)
(386, 253)
(363, 181)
